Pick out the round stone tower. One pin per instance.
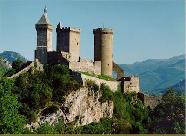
(103, 38)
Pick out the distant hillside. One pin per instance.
(11, 56)
(6, 59)
(4, 66)
(180, 86)
(157, 74)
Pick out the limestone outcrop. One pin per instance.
(81, 106)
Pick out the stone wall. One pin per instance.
(85, 65)
(83, 78)
(130, 84)
(75, 44)
(152, 101)
(56, 57)
(35, 64)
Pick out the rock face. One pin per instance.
(81, 106)
(84, 106)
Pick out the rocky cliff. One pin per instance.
(81, 107)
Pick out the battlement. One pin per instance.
(103, 31)
(67, 29)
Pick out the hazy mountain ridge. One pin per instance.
(11, 56)
(157, 74)
(180, 86)
(6, 59)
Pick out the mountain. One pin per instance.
(4, 66)
(11, 56)
(179, 87)
(157, 74)
(6, 59)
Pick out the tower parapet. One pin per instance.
(103, 38)
(68, 40)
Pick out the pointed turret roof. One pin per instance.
(44, 18)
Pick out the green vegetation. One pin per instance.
(130, 116)
(3, 67)
(36, 92)
(88, 74)
(6, 60)
(103, 127)
(24, 97)
(107, 94)
(105, 77)
(169, 116)
(130, 113)
(91, 85)
(11, 121)
(17, 65)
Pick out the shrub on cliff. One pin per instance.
(169, 115)
(103, 127)
(107, 94)
(92, 86)
(11, 121)
(17, 65)
(36, 89)
(60, 79)
(131, 111)
(32, 92)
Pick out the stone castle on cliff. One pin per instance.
(68, 53)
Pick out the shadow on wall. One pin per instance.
(77, 76)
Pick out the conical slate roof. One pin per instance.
(44, 18)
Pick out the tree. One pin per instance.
(17, 64)
(16, 67)
(169, 115)
(46, 128)
(33, 93)
(60, 80)
(10, 119)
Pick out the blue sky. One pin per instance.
(142, 29)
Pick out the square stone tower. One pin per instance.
(44, 38)
(68, 40)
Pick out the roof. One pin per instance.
(44, 18)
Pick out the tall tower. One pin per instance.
(44, 38)
(103, 38)
(68, 40)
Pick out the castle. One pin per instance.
(68, 53)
